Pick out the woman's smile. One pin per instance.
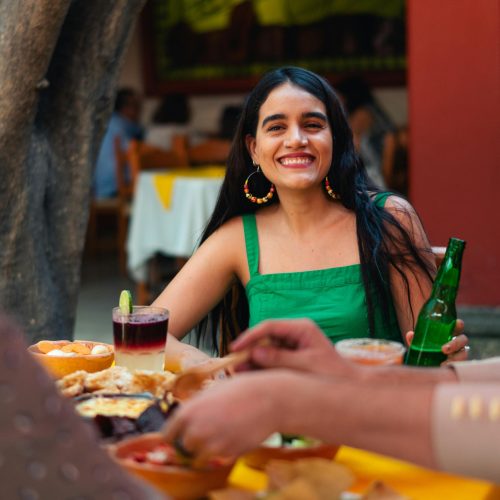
(296, 160)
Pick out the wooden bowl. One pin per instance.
(59, 366)
(259, 457)
(177, 481)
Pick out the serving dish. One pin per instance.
(59, 365)
(277, 448)
(182, 482)
(118, 416)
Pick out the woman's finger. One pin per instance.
(456, 345)
(462, 355)
(409, 337)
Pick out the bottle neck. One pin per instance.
(448, 276)
(445, 292)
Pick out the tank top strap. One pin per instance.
(381, 198)
(251, 243)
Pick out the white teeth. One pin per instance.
(295, 161)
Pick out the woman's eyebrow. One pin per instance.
(281, 116)
(270, 118)
(315, 114)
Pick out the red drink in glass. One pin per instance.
(140, 337)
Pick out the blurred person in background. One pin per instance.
(171, 117)
(229, 121)
(124, 124)
(395, 160)
(369, 123)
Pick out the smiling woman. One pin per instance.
(323, 243)
(293, 144)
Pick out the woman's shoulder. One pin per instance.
(234, 226)
(229, 229)
(391, 201)
(399, 206)
(403, 211)
(226, 243)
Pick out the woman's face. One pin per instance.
(293, 143)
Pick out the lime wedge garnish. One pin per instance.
(125, 303)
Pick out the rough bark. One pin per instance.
(59, 62)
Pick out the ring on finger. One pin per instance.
(180, 449)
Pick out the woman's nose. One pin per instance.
(295, 138)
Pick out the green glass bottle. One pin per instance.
(436, 320)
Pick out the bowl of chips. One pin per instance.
(158, 463)
(61, 357)
(289, 448)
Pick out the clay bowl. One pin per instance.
(59, 366)
(179, 482)
(259, 457)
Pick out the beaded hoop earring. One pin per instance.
(255, 199)
(330, 191)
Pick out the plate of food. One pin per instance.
(118, 416)
(288, 447)
(120, 402)
(308, 479)
(116, 380)
(157, 462)
(62, 357)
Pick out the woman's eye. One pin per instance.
(315, 125)
(274, 128)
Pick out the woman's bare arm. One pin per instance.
(200, 285)
(419, 284)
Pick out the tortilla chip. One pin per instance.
(326, 478)
(279, 473)
(298, 489)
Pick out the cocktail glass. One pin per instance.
(140, 337)
(367, 351)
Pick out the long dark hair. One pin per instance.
(376, 228)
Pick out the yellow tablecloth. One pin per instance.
(164, 182)
(411, 480)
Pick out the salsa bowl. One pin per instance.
(179, 481)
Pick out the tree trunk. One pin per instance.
(59, 63)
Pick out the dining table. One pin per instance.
(411, 481)
(169, 212)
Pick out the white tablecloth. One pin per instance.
(175, 231)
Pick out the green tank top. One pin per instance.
(334, 298)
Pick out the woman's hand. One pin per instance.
(457, 349)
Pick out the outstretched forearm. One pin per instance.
(393, 420)
(396, 375)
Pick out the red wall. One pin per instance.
(454, 93)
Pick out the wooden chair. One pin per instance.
(101, 210)
(143, 156)
(209, 152)
(125, 192)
